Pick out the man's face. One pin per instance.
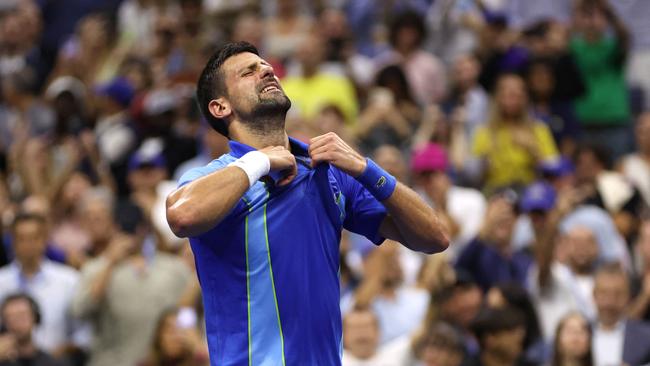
(252, 88)
(463, 306)
(19, 319)
(97, 220)
(361, 334)
(582, 249)
(611, 296)
(30, 240)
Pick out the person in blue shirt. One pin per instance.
(265, 220)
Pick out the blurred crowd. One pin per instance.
(524, 123)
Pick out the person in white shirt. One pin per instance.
(51, 285)
(360, 338)
(617, 340)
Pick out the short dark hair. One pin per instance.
(20, 296)
(211, 83)
(26, 216)
(407, 19)
(492, 321)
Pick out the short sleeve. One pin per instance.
(363, 213)
(196, 173)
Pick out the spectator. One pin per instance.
(636, 167)
(522, 14)
(311, 89)
(640, 307)
(467, 106)
(515, 297)
(399, 308)
(572, 346)
(610, 190)
(96, 208)
(361, 338)
(489, 257)
(500, 333)
(458, 304)
(391, 115)
(287, 30)
(125, 289)
(463, 209)
(617, 339)
(424, 72)
(90, 55)
(435, 345)
(604, 110)
(176, 341)
(51, 285)
(512, 145)
(633, 14)
(558, 114)
(19, 316)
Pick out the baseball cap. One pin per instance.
(66, 84)
(539, 196)
(119, 89)
(160, 101)
(557, 167)
(150, 154)
(429, 158)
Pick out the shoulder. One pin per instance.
(211, 167)
(61, 272)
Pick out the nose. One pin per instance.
(266, 71)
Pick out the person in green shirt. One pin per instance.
(604, 110)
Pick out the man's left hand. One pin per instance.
(330, 148)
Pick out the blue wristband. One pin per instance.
(377, 181)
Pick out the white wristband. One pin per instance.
(255, 164)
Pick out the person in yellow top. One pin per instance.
(314, 90)
(511, 144)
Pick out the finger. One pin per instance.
(292, 173)
(317, 138)
(326, 141)
(322, 149)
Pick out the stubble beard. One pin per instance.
(268, 115)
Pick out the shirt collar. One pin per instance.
(238, 149)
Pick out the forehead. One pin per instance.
(240, 61)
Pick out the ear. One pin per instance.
(220, 108)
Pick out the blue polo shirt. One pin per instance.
(269, 271)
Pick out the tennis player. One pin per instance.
(265, 221)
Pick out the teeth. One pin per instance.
(270, 87)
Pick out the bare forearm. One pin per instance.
(200, 205)
(413, 223)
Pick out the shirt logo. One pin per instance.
(381, 182)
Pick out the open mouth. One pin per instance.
(270, 88)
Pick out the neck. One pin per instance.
(490, 359)
(30, 268)
(570, 361)
(608, 325)
(261, 139)
(26, 348)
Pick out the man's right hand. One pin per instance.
(282, 160)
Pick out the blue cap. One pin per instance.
(539, 196)
(150, 154)
(119, 89)
(558, 167)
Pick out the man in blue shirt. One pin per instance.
(265, 221)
